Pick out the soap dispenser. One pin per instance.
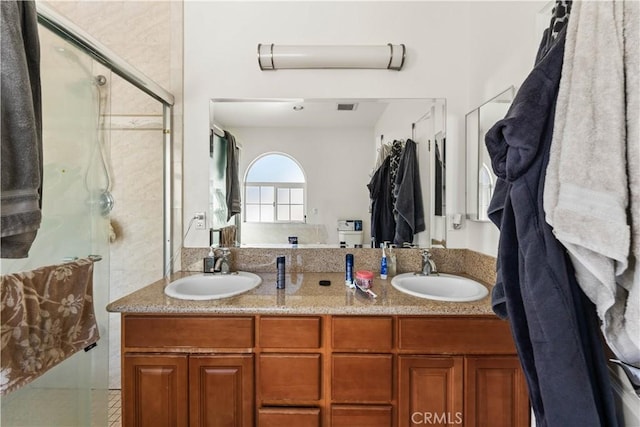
(392, 260)
(209, 262)
(225, 268)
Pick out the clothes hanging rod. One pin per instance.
(75, 35)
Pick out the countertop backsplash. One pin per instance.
(326, 260)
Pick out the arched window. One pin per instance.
(274, 190)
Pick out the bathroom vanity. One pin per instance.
(313, 355)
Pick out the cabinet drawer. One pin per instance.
(182, 331)
(362, 334)
(455, 335)
(361, 416)
(298, 417)
(362, 378)
(290, 378)
(289, 332)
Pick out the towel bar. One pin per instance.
(94, 258)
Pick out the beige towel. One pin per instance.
(587, 186)
(47, 315)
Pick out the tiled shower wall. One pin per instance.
(148, 35)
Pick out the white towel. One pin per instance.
(586, 194)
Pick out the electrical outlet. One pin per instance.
(201, 223)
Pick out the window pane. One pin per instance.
(266, 213)
(266, 195)
(253, 213)
(275, 168)
(297, 213)
(283, 196)
(253, 194)
(283, 212)
(297, 196)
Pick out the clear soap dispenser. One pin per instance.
(225, 268)
(392, 265)
(209, 262)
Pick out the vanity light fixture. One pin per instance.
(276, 57)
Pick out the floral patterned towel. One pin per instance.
(46, 315)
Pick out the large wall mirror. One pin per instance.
(304, 166)
(480, 179)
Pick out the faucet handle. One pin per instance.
(426, 254)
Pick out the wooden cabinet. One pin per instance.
(321, 371)
(290, 379)
(277, 332)
(362, 334)
(487, 391)
(495, 392)
(478, 383)
(289, 383)
(361, 416)
(188, 371)
(362, 378)
(431, 390)
(155, 390)
(221, 390)
(281, 417)
(362, 365)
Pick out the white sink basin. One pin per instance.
(445, 287)
(212, 286)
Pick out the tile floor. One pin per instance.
(115, 408)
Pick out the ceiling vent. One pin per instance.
(347, 107)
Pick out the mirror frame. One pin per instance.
(476, 152)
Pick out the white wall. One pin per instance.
(501, 54)
(336, 163)
(462, 51)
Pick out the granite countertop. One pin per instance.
(302, 295)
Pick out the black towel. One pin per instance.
(408, 194)
(233, 182)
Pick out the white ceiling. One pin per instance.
(280, 113)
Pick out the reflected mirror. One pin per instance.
(480, 177)
(304, 166)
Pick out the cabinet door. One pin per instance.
(155, 391)
(221, 390)
(495, 393)
(430, 391)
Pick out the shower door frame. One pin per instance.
(75, 35)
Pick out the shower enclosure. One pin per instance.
(76, 72)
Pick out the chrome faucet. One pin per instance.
(428, 266)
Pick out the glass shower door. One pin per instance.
(74, 225)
